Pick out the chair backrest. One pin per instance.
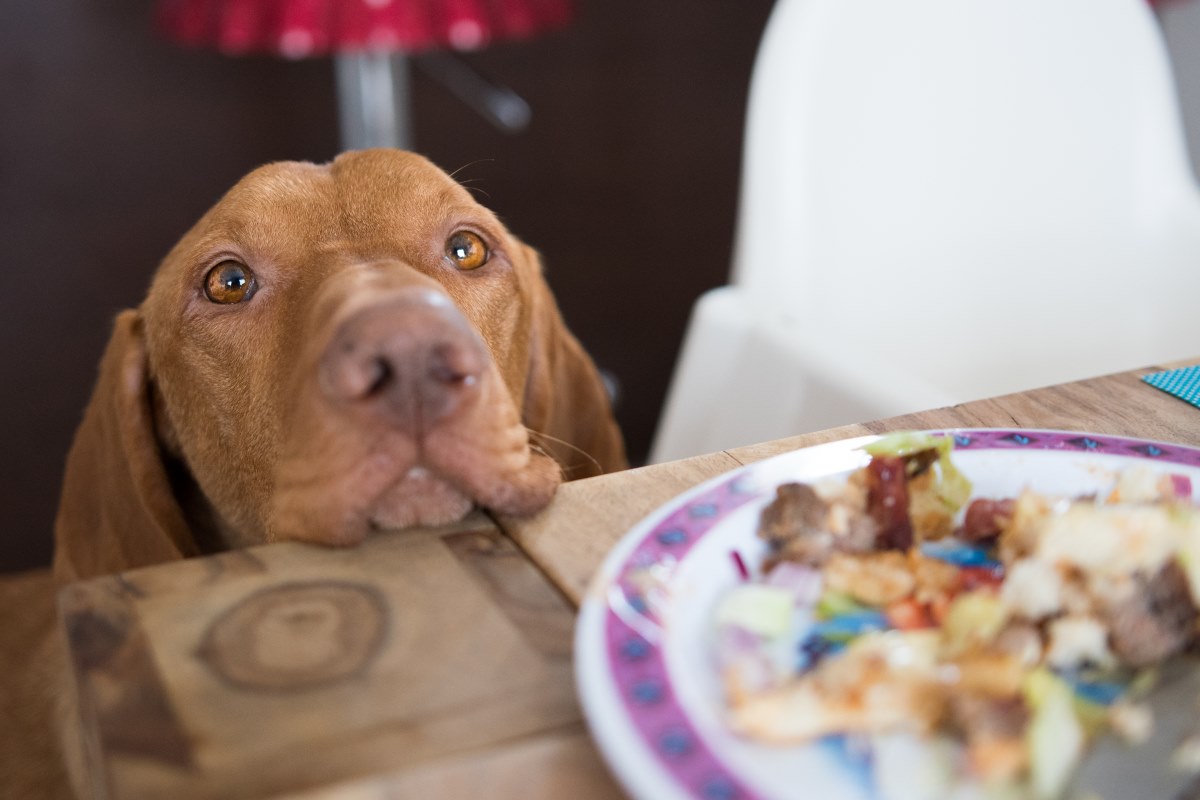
(995, 195)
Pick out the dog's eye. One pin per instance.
(467, 250)
(229, 282)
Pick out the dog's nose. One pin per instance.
(412, 359)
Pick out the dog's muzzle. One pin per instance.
(412, 360)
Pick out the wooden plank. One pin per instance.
(586, 518)
(32, 682)
(1119, 405)
(757, 452)
(550, 766)
(288, 667)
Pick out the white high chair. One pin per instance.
(943, 200)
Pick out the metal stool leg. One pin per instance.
(373, 100)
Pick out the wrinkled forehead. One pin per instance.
(360, 196)
(360, 190)
(384, 186)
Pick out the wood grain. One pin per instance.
(571, 537)
(33, 680)
(1120, 405)
(557, 764)
(291, 667)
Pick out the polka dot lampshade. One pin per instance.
(301, 28)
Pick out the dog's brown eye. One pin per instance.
(467, 250)
(229, 282)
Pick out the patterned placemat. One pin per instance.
(1184, 383)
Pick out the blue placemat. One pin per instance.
(1184, 383)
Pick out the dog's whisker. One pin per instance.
(468, 165)
(539, 450)
(466, 183)
(590, 460)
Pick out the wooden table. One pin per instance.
(426, 663)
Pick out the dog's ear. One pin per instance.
(117, 510)
(565, 398)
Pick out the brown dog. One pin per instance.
(330, 350)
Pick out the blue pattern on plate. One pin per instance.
(673, 536)
(1020, 438)
(676, 743)
(635, 648)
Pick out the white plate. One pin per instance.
(642, 651)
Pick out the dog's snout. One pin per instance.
(409, 360)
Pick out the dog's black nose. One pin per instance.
(411, 358)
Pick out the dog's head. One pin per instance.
(331, 349)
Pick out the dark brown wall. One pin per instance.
(113, 142)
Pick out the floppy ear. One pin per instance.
(565, 398)
(117, 509)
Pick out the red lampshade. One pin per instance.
(300, 28)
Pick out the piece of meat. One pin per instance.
(887, 502)
(799, 525)
(797, 509)
(1154, 619)
(978, 716)
(985, 519)
(794, 526)
(995, 733)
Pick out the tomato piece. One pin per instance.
(971, 578)
(908, 615)
(939, 606)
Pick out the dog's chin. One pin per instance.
(420, 498)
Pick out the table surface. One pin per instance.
(424, 663)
